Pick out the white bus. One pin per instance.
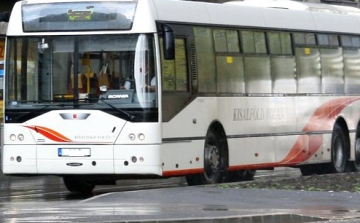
(97, 91)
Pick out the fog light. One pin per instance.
(141, 159)
(18, 159)
(134, 159)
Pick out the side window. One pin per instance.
(308, 66)
(205, 59)
(282, 62)
(279, 43)
(256, 62)
(229, 62)
(328, 40)
(332, 64)
(305, 39)
(175, 71)
(226, 40)
(253, 41)
(350, 41)
(351, 55)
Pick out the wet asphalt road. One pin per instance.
(45, 199)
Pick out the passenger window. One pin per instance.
(205, 59)
(327, 40)
(279, 43)
(253, 42)
(350, 41)
(304, 39)
(226, 40)
(220, 40)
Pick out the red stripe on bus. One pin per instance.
(49, 133)
(322, 119)
(182, 172)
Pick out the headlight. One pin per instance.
(141, 136)
(12, 137)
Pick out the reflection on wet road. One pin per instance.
(51, 188)
(45, 199)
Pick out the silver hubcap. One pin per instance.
(213, 157)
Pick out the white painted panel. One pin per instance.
(183, 155)
(336, 22)
(289, 19)
(148, 159)
(49, 161)
(235, 15)
(28, 159)
(249, 151)
(57, 166)
(181, 11)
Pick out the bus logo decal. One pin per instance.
(74, 116)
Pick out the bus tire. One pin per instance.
(77, 185)
(215, 161)
(338, 150)
(356, 163)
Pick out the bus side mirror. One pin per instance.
(169, 43)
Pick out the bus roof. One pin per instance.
(295, 5)
(231, 14)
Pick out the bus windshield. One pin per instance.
(109, 73)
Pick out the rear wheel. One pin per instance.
(356, 164)
(215, 161)
(338, 150)
(77, 185)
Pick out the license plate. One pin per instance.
(74, 152)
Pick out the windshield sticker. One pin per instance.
(80, 15)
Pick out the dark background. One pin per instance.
(7, 5)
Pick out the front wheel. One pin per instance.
(77, 185)
(215, 162)
(338, 150)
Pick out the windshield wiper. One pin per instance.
(127, 115)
